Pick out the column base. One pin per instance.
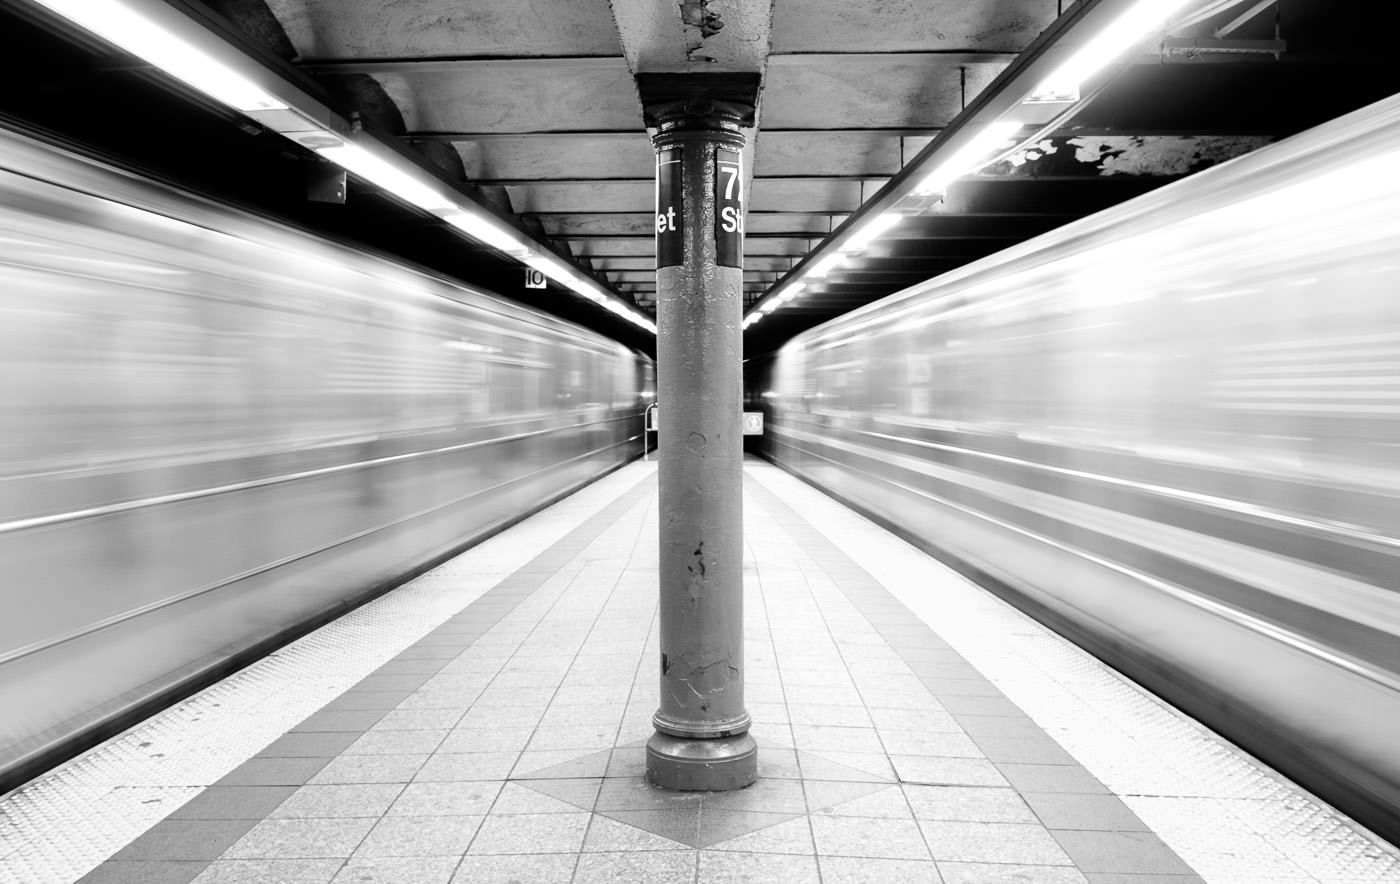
(720, 764)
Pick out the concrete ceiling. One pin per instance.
(534, 104)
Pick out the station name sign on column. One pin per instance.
(729, 208)
(670, 210)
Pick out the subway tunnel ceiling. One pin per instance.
(533, 105)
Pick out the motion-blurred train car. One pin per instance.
(1172, 430)
(216, 431)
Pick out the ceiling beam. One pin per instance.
(950, 57)
(639, 132)
(464, 65)
(583, 182)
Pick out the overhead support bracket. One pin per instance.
(1208, 50)
(730, 95)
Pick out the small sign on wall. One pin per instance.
(670, 209)
(753, 423)
(534, 279)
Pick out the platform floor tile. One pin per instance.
(503, 740)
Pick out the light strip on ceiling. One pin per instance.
(172, 42)
(1008, 115)
(125, 27)
(871, 231)
(971, 157)
(485, 231)
(1142, 19)
(390, 176)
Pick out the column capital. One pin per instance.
(698, 101)
(698, 113)
(697, 121)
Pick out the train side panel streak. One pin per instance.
(218, 431)
(1171, 429)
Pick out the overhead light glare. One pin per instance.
(826, 265)
(382, 173)
(1122, 34)
(970, 157)
(120, 25)
(484, 231)
(871, 230)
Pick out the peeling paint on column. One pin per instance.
(1125, 155)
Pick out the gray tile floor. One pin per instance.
(506, 746)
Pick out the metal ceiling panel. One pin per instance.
(580, 156)
(908, 25)
(809, 195)
(827, 153)
(322, 29)
(596, 196)
(890, 92)
(517, 98)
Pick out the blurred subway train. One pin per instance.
(216, 431)
(1172, 431)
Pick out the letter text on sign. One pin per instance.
(729, 208)
(670, 239)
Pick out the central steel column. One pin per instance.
(701, 740)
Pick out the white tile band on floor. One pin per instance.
(60, 826)
(1229, 816)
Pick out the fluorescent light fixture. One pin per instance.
(484, 231)
(158, 41)
(382, 173)
(969, 158)
(1125, 32)
(870, 230)
(571, 281)
(826, 265)
(118, 24)
(791, 292)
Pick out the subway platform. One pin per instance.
(485, 723)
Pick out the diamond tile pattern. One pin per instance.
(696, 819)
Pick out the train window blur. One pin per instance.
(212, 427)
(1174, 427)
